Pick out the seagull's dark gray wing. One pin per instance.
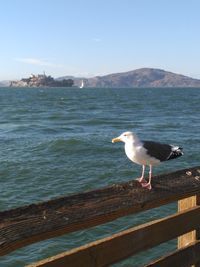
(159, 151)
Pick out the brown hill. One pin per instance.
(145, 77)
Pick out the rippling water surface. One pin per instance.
(57, 141)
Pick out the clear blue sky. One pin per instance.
(97, 37)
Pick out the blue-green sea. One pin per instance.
(57, 141)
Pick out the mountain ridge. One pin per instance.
(139, 78)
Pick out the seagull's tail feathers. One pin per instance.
(176, 152)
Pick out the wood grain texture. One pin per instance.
(183, 257)
(117, 247)
(186, 239)
(25, 225)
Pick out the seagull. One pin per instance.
(147, 153)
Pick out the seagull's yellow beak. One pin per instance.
(117, 139)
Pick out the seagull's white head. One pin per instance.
(125, 137)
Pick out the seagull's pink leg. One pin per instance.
(141, 179)
(148, 185)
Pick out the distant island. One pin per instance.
(139, 78)
(42, 80)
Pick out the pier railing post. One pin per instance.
(192, 236)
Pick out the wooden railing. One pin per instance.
(26, 225)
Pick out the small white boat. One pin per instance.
(82, 84)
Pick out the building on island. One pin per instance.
(41, 80)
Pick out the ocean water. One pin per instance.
(57, 141)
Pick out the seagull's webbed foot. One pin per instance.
(141, 180)
(147, 185)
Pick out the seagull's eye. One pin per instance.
(125, 134)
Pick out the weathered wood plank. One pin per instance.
(192, 236)
(126, 243)
(22, 226)
(119, 246)
(185, 204)
(197, 264)
(183, 257)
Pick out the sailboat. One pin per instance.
(82, 84)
